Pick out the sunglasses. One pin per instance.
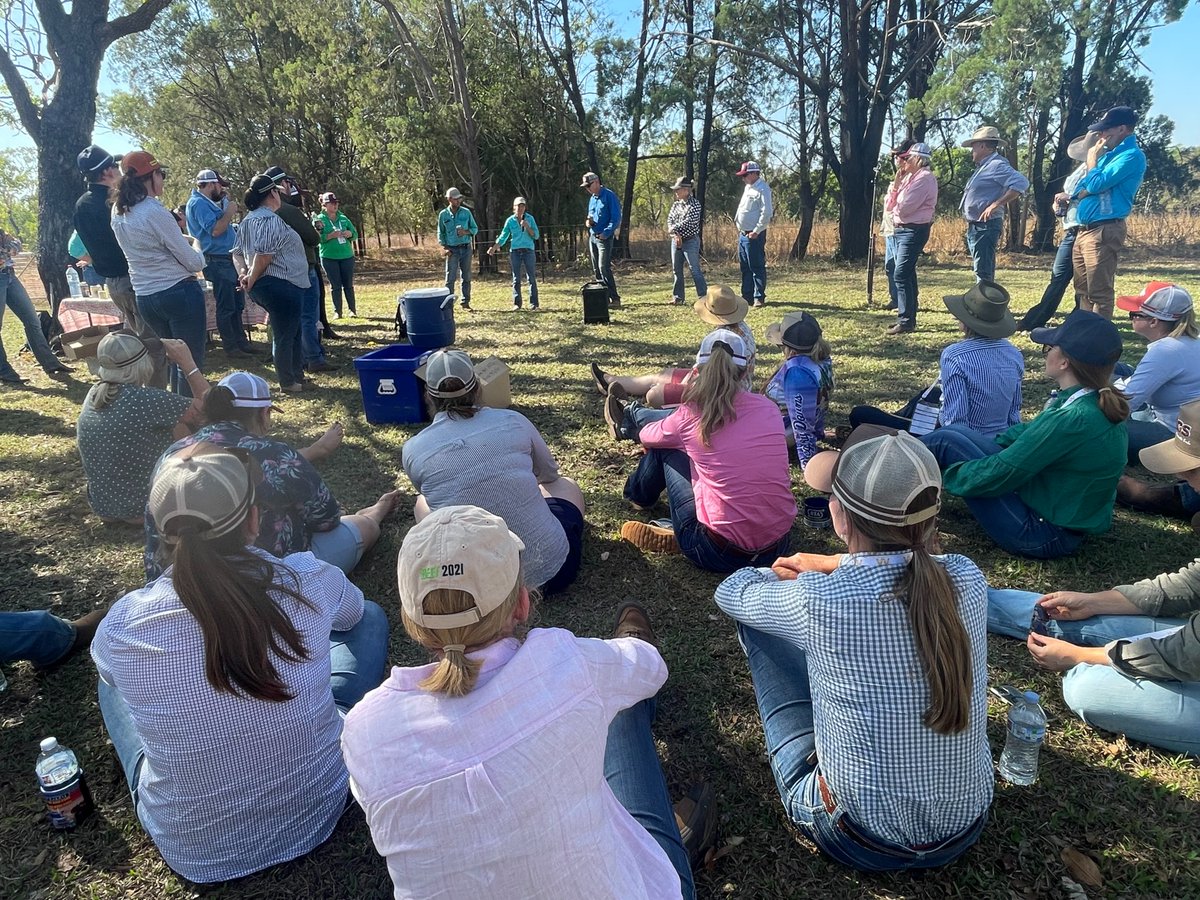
(1046, 348)
(1136, 315)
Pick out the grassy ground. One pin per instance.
(1131, 807)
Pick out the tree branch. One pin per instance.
(19, 92)
(138, 20)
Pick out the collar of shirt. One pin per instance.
(876, 559)
(493, 658)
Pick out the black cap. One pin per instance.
(276, 174)
(93, 160)
(1085, 336)
(1118, 115)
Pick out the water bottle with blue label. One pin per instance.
(62, 784)
(1026, 731)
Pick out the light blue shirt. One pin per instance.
(981, 384)
(1112, 185)
(605, 210)
(987, 184)
(202, 215)
(1167, 377)
(516, 236)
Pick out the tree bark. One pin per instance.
(706, 124)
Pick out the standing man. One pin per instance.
(93, 223)
(603, 220)
(992, 185)
(456, 231)
(753, 215)
(210, 212)
(683, 225)
(520, 232)
(1115, 166)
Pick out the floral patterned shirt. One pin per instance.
(9, 248)
(293, 500)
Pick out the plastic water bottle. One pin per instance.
(63, 787)
(73, 282)
(1026, 730)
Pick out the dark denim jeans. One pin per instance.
(284, 302)
(178, 312)
(1061, 275)
(779, 671)
(982, 240)
(689, 252)
(889, 269)
(601, 250)
(635, 776)
(310, 322)
(671, 470)
(752, 257)
(340, 273)
(1007, 520)
(228, 299)
(1144, 434)
(909, 242)
(524, 259)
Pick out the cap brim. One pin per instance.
(1129, 304)
(775, 334)
(1167, 459)
(1048, 336)
(818, 471)
(957, 304)
(707, 315)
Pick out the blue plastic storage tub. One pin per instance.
(391, 391)
(429, 317)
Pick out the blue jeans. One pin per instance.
(340, 273)
(92, 277)
(459, 263)
(635, 776)
(524, 259)
(219, 270)
(671, 470)
(689, 252)
(1061, 275)
(1144, 434)
(889, 269)
(310, 322)
(982, 240)
(357, 662)
(752, 257)
(601, 252)
(1007, 520)
(38, 636)
(178, 312)
(284, 302)
(1165, 714)
(782, 688)
(909, 243)
(15, 297)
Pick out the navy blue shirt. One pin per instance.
(93, 221)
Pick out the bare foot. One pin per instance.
(323, 447)
(383, 507)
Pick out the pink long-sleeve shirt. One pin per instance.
(912, 199)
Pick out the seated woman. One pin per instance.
(979, 377)
(297, 512)
(720, 307)
(1123, 673)
(878, 657)
(722, 458)
(495, 459)
(215, 682)
(536, 775)
(1040, 487)
(803, 384)
(125, 425)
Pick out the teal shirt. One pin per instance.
(448, 221)
(1064, 465)
(75, 248)
(517, 237)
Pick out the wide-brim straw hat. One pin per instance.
(983, 309)
(1078, 148)
(986, 133)
(721, 306)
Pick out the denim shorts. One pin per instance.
(342, 546)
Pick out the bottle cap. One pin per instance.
(48, 744)
(1032, 696)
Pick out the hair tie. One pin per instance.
(1103, 389)
(454, 648)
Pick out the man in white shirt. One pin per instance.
(753, 215)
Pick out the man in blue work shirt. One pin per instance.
(993, 185)
(1115, 166)
(210, 212)
(456, 229)
(603, 220)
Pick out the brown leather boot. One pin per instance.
(634, 621)
(696, 819)
(1144, 496)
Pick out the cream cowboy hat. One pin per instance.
(986, 133)
(721, 306)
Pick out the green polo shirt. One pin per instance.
(1064, 465)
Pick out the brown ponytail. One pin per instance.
(1112, 402)
(217, 406)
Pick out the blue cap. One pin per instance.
(1084, 336)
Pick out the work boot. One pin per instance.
(696, 818)
(650, 538)
(1144, 496)
(600, 378)
(633, 621)
(614, 410)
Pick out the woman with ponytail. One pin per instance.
(216, 684)
(722, 458)
(870, 667)
(1040, 487)
(516, 767)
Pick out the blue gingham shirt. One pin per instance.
(987, 184)
(892, 775)
(981, 384)
(231, 784)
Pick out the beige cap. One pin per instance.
(203, 482)
(462, 548)
(444, 365)
(1182, 452)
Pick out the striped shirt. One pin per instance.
(159, 255)
(683, 220)
(264, 232)
(890, 773)
(993, 177)
(981, 384)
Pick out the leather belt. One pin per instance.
(913, 224)
(1090, 225)
(724, 545)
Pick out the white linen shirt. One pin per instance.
(754, 210)
(231, 784)
(501, 793)
(159, 255)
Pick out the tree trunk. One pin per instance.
(706, 124)
(637, 106)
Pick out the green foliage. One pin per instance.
(18, 194)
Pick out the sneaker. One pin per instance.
(614, 410)
(650, 538)
(633, 621)
(516, 305)
(900, 328)
(465, 304)
(677, 301)
(759, 303)
(292, 388)
(600, 378)
(534, 306)
(696, 818)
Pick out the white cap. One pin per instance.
(444, 365)
(249, 390)
(729, 341)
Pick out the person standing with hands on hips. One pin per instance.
(337, 251)
(603, 220)
(683, 225)
(519, 232)
(992, 185)
(753, 215)
(456, 231)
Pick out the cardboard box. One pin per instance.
(82, 344)
(495, 386)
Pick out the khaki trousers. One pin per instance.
(1094, 260)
